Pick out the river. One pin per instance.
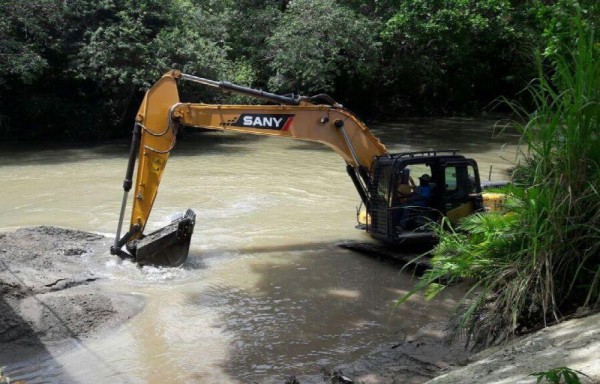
(265, 292)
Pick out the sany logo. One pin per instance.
(264, 121)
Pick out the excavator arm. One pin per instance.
(155, 133)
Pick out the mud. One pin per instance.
(48, 296)
(574, 344)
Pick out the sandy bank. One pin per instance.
(574, 344)
(48, 296)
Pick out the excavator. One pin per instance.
(384, 181)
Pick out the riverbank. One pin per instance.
(574, 344)
(49, 299)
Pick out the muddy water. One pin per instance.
(266, 292)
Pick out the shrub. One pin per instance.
(541, 261)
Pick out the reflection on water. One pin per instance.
(308, 309)
(266, 291)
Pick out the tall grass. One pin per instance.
(541, 261)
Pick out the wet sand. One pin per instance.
(49, 299)
(574, 344)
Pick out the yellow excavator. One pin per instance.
(396, 210)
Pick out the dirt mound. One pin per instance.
(48, 294)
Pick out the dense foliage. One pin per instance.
(456, 52)
(539, 261)
(73, 69)
(318, 43)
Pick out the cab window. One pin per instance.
(460, 180)
(450, 177)
(472, 179)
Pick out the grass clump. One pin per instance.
(540, 261)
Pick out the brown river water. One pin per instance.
(266, 291)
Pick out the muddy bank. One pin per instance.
(574, 344)
(48, 296)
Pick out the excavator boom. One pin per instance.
(155, 134)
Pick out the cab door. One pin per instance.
(461, 195)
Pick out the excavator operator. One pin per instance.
(421, 197)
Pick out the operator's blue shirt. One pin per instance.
(422, 195)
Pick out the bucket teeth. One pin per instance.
(168, 246)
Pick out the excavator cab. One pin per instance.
(397, 213)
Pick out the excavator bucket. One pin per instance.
(169, 246)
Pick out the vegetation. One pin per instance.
(556, 376)
(318, 41)
(457, 54)
(77, 69)
(541, 260)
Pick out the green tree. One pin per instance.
(318, 44)
(376, 10)
(79, 67)
(454, 52)
(32, 47)
(555, 20)
(143, 39)
(23, 27)
(249, 23)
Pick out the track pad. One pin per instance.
(169, 246)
